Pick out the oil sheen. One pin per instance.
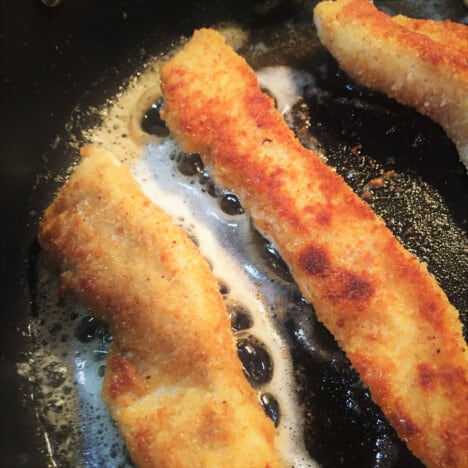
(68, 363)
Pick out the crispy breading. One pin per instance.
(421, 63)
(173, 381)
(386, 311)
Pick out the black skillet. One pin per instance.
(54, 57)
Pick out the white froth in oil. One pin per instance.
(223, 240)
(285, 83)
(66, 375)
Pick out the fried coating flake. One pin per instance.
(382, 305)
(421, 63)
(173, 381)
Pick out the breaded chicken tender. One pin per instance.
(385, 310)
(173, 381)
(421, 63)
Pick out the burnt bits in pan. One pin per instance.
(400, 162)
(405, 167)
(342, 425)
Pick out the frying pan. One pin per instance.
(79, 52)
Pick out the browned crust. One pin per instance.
(431, 40)
(451, 37)
(384, 308)
(173, 382)
(422, 63)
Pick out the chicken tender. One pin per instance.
(421, 63)
(385, 310)
(173, 381)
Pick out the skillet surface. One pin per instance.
(57, 57)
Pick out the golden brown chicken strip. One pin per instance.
(385, 310)
(173, 382)
(421, 63)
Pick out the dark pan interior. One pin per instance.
(51, 57)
